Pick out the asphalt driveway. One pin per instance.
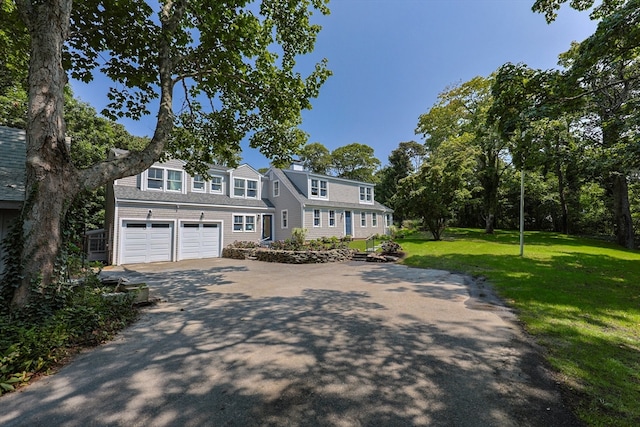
(246, 343)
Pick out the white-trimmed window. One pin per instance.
(374, 219)
(245, 223)
(332, 218)
(276, 188)
(246, 188)
(316, 218)
(387, 220)
(363, 219)
(198, 184)
(284, 215)
(252, 189)
(238, 187)
(155, 179)
(366, 194)
(216, 184)
(164, 179)
(319, 188)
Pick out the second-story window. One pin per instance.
(238, 187)
(276, 188)
(155, 178)
(252, 189)
(216, 184)
(245, 188)
(319, 188)
(366, 195)
(174, 180)
(198, 183)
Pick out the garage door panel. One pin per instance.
(144, 242)
(199, 241)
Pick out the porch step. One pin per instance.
(359, 256)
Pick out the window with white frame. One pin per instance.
(387, 220)
(247, 188)
(164, 179)
(155, 179)
(198, 184)
(216, 184)
(244, 223)
(252, 189)
(332, 218)
(319, 188)
(174, 180)
(285, 219)
(238, 187)
(366, 194)
(316, 218)
(374, 219)
(363, 219)
(276, 188)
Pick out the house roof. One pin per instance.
(127, 193)
(299, 195)
(12, 165)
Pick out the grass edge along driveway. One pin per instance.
(579, 298)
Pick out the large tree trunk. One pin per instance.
(624, 225)
(49, 173)
(52, 182)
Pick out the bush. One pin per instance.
(61, 319)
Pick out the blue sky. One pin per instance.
(391, 59)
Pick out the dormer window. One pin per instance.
(198, 183)
(164, 179)
(245, 188)
(366, 194)
(155, 179)
(319, 188)
(216, 184)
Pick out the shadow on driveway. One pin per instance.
(254, 344)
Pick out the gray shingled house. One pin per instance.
(12, 178)
(165, 214)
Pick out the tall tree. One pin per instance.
(355, 161)
(437, 190)
(461, 111)
(316, 158)
(233, 61)
(403, 161)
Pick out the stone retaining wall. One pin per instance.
(289, 257)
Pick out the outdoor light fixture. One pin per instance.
(201, 215)
(149, 214)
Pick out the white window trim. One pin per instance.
(165, 180)
(363, 215)
(246, 188)
(193, 184)
(210, 183)
(374, 219)
(244, 223)
(319, 218)
(365, 201)
(334, 218)
(284, 215)
(319, 196)
(276, 188)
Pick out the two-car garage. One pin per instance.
(154, 241)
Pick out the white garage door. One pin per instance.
(146, 242)
(199, 240)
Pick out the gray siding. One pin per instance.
(130, 181)
(300, 180)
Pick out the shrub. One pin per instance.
(62, 318)
(298, 237)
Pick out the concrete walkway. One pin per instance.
(245, 343)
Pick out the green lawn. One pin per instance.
(580, 298)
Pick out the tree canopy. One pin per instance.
(216, 72)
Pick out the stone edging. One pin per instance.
(289, 257)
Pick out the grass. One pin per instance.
(579, 298)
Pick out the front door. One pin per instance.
(348, 227)
(267, 220)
